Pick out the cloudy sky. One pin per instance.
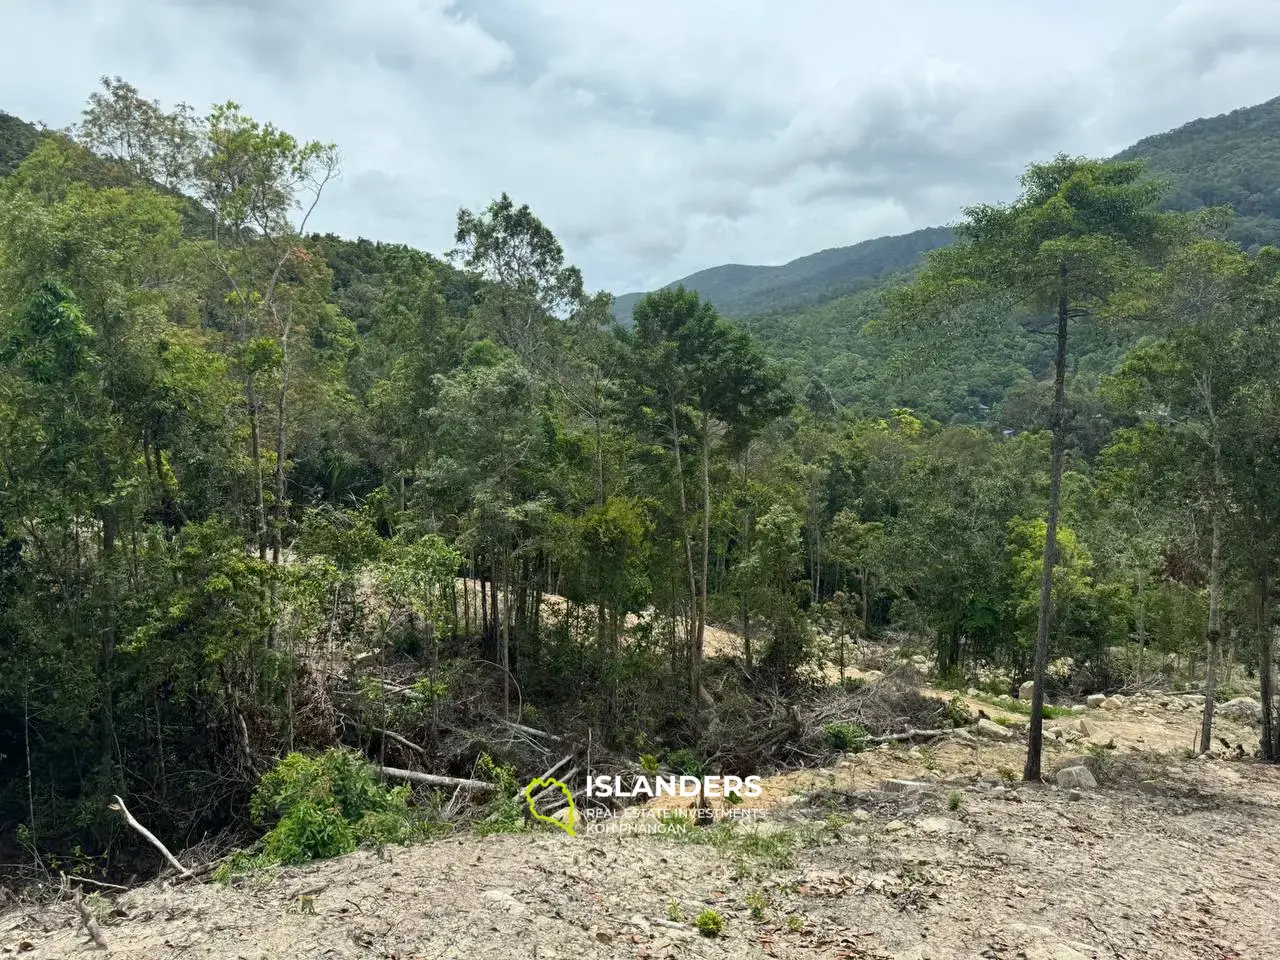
(658, 137)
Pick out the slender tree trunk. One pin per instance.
(1213, 635)
(255, 454)
(1044, 622)
(692, 627)
(1142, 628)
(1266, 669)
(278, 508)
(696, 666)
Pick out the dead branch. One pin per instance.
(155, 842)
(408, 744)
(521, 728)
(432, 780)
(910, 735)
(96, 883)
(551, 772)
(90, 924)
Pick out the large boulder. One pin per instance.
(1076, 778)
(1245, 709)
(1113, 703)
(1095, 700)
(1027, 690)
(992, 730)
(1086, 760)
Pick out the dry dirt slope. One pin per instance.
(1172, 859)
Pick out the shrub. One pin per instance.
(845, 736)
(506, 809)
(709, 923)
(328, 805)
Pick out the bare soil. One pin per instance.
(1169, 858)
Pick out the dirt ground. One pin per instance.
(1168, 858)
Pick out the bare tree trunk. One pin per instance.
(255, 454)
(278, 510)
(1142, 628)
(1214, 633)
(692, 627)
(1044, 622)
(696, 666)
(1266, 669)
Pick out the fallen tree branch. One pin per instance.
(90, 924)
(521, 728)
(910, 735)
(96, 883)
(551, 772)
(432, 780)
(408, 744)
(155, 842)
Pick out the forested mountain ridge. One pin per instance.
(743, 290)
(1229, 160)
(17, 139)
(1232, 159)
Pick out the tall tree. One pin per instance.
(1080, 233)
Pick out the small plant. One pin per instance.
(845, 737)
(675, 913)
(929, 757)
(1007, 774)
(709, 923)
(757, 903)
(505, 811)
(685, 761)
(955, 800)
(796, 922)
(649, 762)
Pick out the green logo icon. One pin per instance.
(538, 786)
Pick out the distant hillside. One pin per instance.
(741, 290)
(17, 139)
(1233, 159)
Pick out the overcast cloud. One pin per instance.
(660, 137)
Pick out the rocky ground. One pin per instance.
(925, 852)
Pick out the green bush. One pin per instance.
(328, 805)
(685, 761)
(845, 736)
(709, 923)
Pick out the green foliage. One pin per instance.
(710, 923)
(328, 805)
(843, 737)
(955, 800)
(757, 903)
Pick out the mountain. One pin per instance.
(17, 139)
(740, 290)
(1233, 159)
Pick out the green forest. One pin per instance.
(264, 492)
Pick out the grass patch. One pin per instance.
(1022, 707)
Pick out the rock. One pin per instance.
(1075, 795)
(973, 692)
(937, 825)
(1113, 703)
(871, 676)
(1150, 787)
(1095, 700)
(1027, 690)
(904, 786)
(992, 730)
(894, 826)
(1242, 708)
(962, 735)
(1076, 778)
(1086, 760)
(860, 816)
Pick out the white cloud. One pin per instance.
(664, 137)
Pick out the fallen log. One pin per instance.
(433, 780)
(408, 744)
(154, 840)
(910, 735)
(551, 772)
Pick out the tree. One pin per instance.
(1081, 233)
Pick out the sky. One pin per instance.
(660, 137)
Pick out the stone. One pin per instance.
(1150, 787)
(1027, 690)
(1075, 795)
(937, 825)
(1086, 760)
(860, 816)
(1113, 703)
(1095, 700)
(1076, 778)
(1241, 708)
(973, 692)
(992, 730)
(894, 826)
